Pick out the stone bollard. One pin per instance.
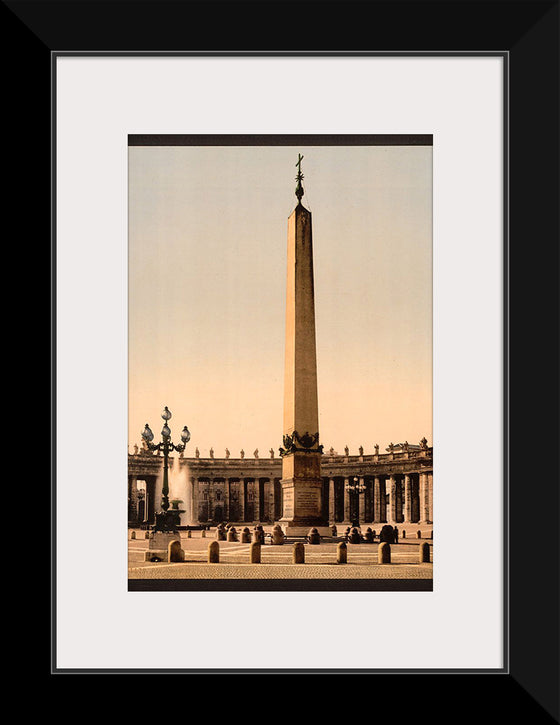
(258, 535)
(277, 535)
(255, 553)
(424, 551)
(147, 535)
(369, 535)
(213, 552)
(386, 534)
(419, 534)
(221, 532)
(203, 533)
(174, 551)
(133, 534)
(384, 553)
(232, 534)
(313, 537)
(342, 553)
(298, 556)
(245, 536)
(333, 530)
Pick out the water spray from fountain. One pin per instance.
(180, 491)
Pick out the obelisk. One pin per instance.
(301, 453)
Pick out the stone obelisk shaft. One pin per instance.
(301, 455)
(301, 412)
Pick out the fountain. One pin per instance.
(179, 488)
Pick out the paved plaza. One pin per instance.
(277, 561)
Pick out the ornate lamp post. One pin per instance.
(355, 488)
(165, 521)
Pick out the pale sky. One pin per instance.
(207, 286)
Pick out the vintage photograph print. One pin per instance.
(280, 363)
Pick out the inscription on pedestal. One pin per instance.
(288, 502)
(308, 502)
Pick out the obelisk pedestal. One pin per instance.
(302, 486)
(302, 494)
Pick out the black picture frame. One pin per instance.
(528, 33)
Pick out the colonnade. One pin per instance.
(396, 498)
(391, 498)
(142, 503)
(235, 499)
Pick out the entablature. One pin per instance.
(331, 466)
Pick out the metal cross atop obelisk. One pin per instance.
(302, 497)
(299, 177)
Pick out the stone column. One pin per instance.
(132, 499)
(210, 490)
(226, 499)
(147, 502)
(430, 497)
(331, 501)
(361, 503)
(270, 499)
(421, 518)
(377, 500)
(385, 499)
(257, 499)
(346, 501)
(242, 487)
(424, 498)
(194, 499)
(407, 498)
(393, 501)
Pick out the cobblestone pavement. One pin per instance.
(279, 571)
(276, 561)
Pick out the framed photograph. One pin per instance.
(472, 103)
(162, 221)
(271, 337)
